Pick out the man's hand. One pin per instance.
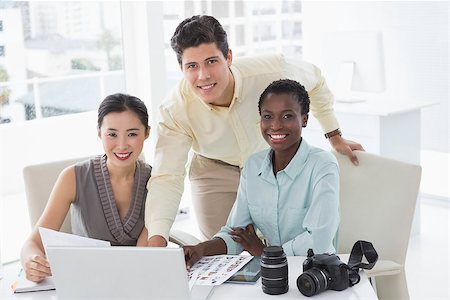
(346, 147)
(156, 241)
(248, 239)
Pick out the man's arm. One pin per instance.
(166, 184)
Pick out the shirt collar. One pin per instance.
(292, 169)
(237, 83)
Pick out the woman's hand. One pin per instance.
(248, 239)
(37, 268)
(192, 254)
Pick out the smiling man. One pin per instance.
(213, 111)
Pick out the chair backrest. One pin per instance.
(39, 180)
(377, 204)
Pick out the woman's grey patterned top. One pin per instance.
(94, 212)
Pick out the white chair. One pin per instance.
(39, 180)
(377, 203)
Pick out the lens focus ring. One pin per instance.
(312, 282)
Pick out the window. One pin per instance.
(252, 27)
(57, 62)
(62, 56)
(220, 9)
(240, 35)
(264, 32)
(292, 30)
(291, 6)
(263, 8)
(239, 8)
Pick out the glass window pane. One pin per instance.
(220, 9)
(264, 32)
(264, 7)
(240, 35)
(239, 8)
(291, 30)
(252, 27)
(59, 58)
(59, 49)
(290, 6)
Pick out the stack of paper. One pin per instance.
(23, 285)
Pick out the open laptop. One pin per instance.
(121, 273)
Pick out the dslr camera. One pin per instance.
(322, 272)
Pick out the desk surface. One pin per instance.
(362, 290)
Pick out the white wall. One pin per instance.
(38, 141)
(415, 38)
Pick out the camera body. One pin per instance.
(322, 272)
(336, 269)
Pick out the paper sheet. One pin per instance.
(215, 270)
(51, 237)
(23, 285)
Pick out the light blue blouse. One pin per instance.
(298, 209)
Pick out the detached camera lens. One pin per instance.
(274, 271)
(312, 282)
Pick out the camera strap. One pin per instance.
(360, 250)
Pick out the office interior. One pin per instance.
(56, 64)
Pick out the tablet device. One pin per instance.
(249, 273)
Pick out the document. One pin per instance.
(51, 237)
(215, 270)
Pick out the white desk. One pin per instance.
(388, 128)
(362, 290)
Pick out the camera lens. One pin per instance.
(274, 271)
(312, 282)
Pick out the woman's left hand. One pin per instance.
(248, 239)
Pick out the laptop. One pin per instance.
(122, 273)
